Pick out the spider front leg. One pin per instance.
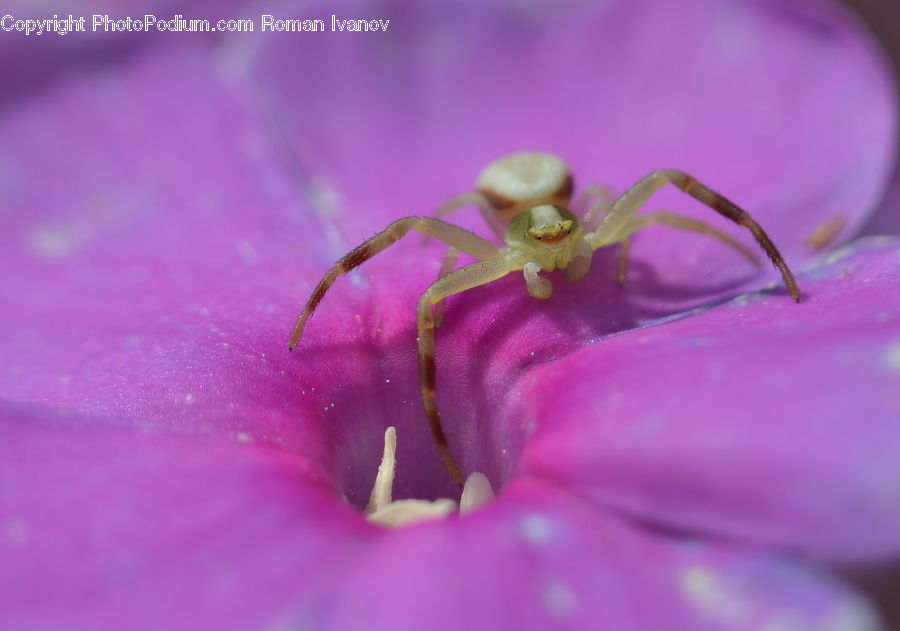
(615, 225)
(538, 286)
(454, 283)
(446, 232)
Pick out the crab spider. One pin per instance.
(525, 197)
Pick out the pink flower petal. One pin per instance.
(181, 533)
(538, 559)
(105, 528)
(758, 418)
(152, 284)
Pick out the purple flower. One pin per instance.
(688, 452)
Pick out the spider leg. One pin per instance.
(622, 262)
(460, 280)
(484, 207)
(449, 264)
(619, 218)
(593, 205)
(450, 259)
(446, 232)
(673, 220)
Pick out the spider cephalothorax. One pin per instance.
(525, 198)
(546, 234)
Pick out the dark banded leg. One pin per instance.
(448, 233)
(456, 282)
(616, 224)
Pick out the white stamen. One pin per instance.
(477, 492)
(382, 510)
(408, 512)
(384, 479)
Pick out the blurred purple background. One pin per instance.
(883, 19)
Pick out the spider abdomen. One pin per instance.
(523, 180)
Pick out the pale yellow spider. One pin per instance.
(524, 197)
